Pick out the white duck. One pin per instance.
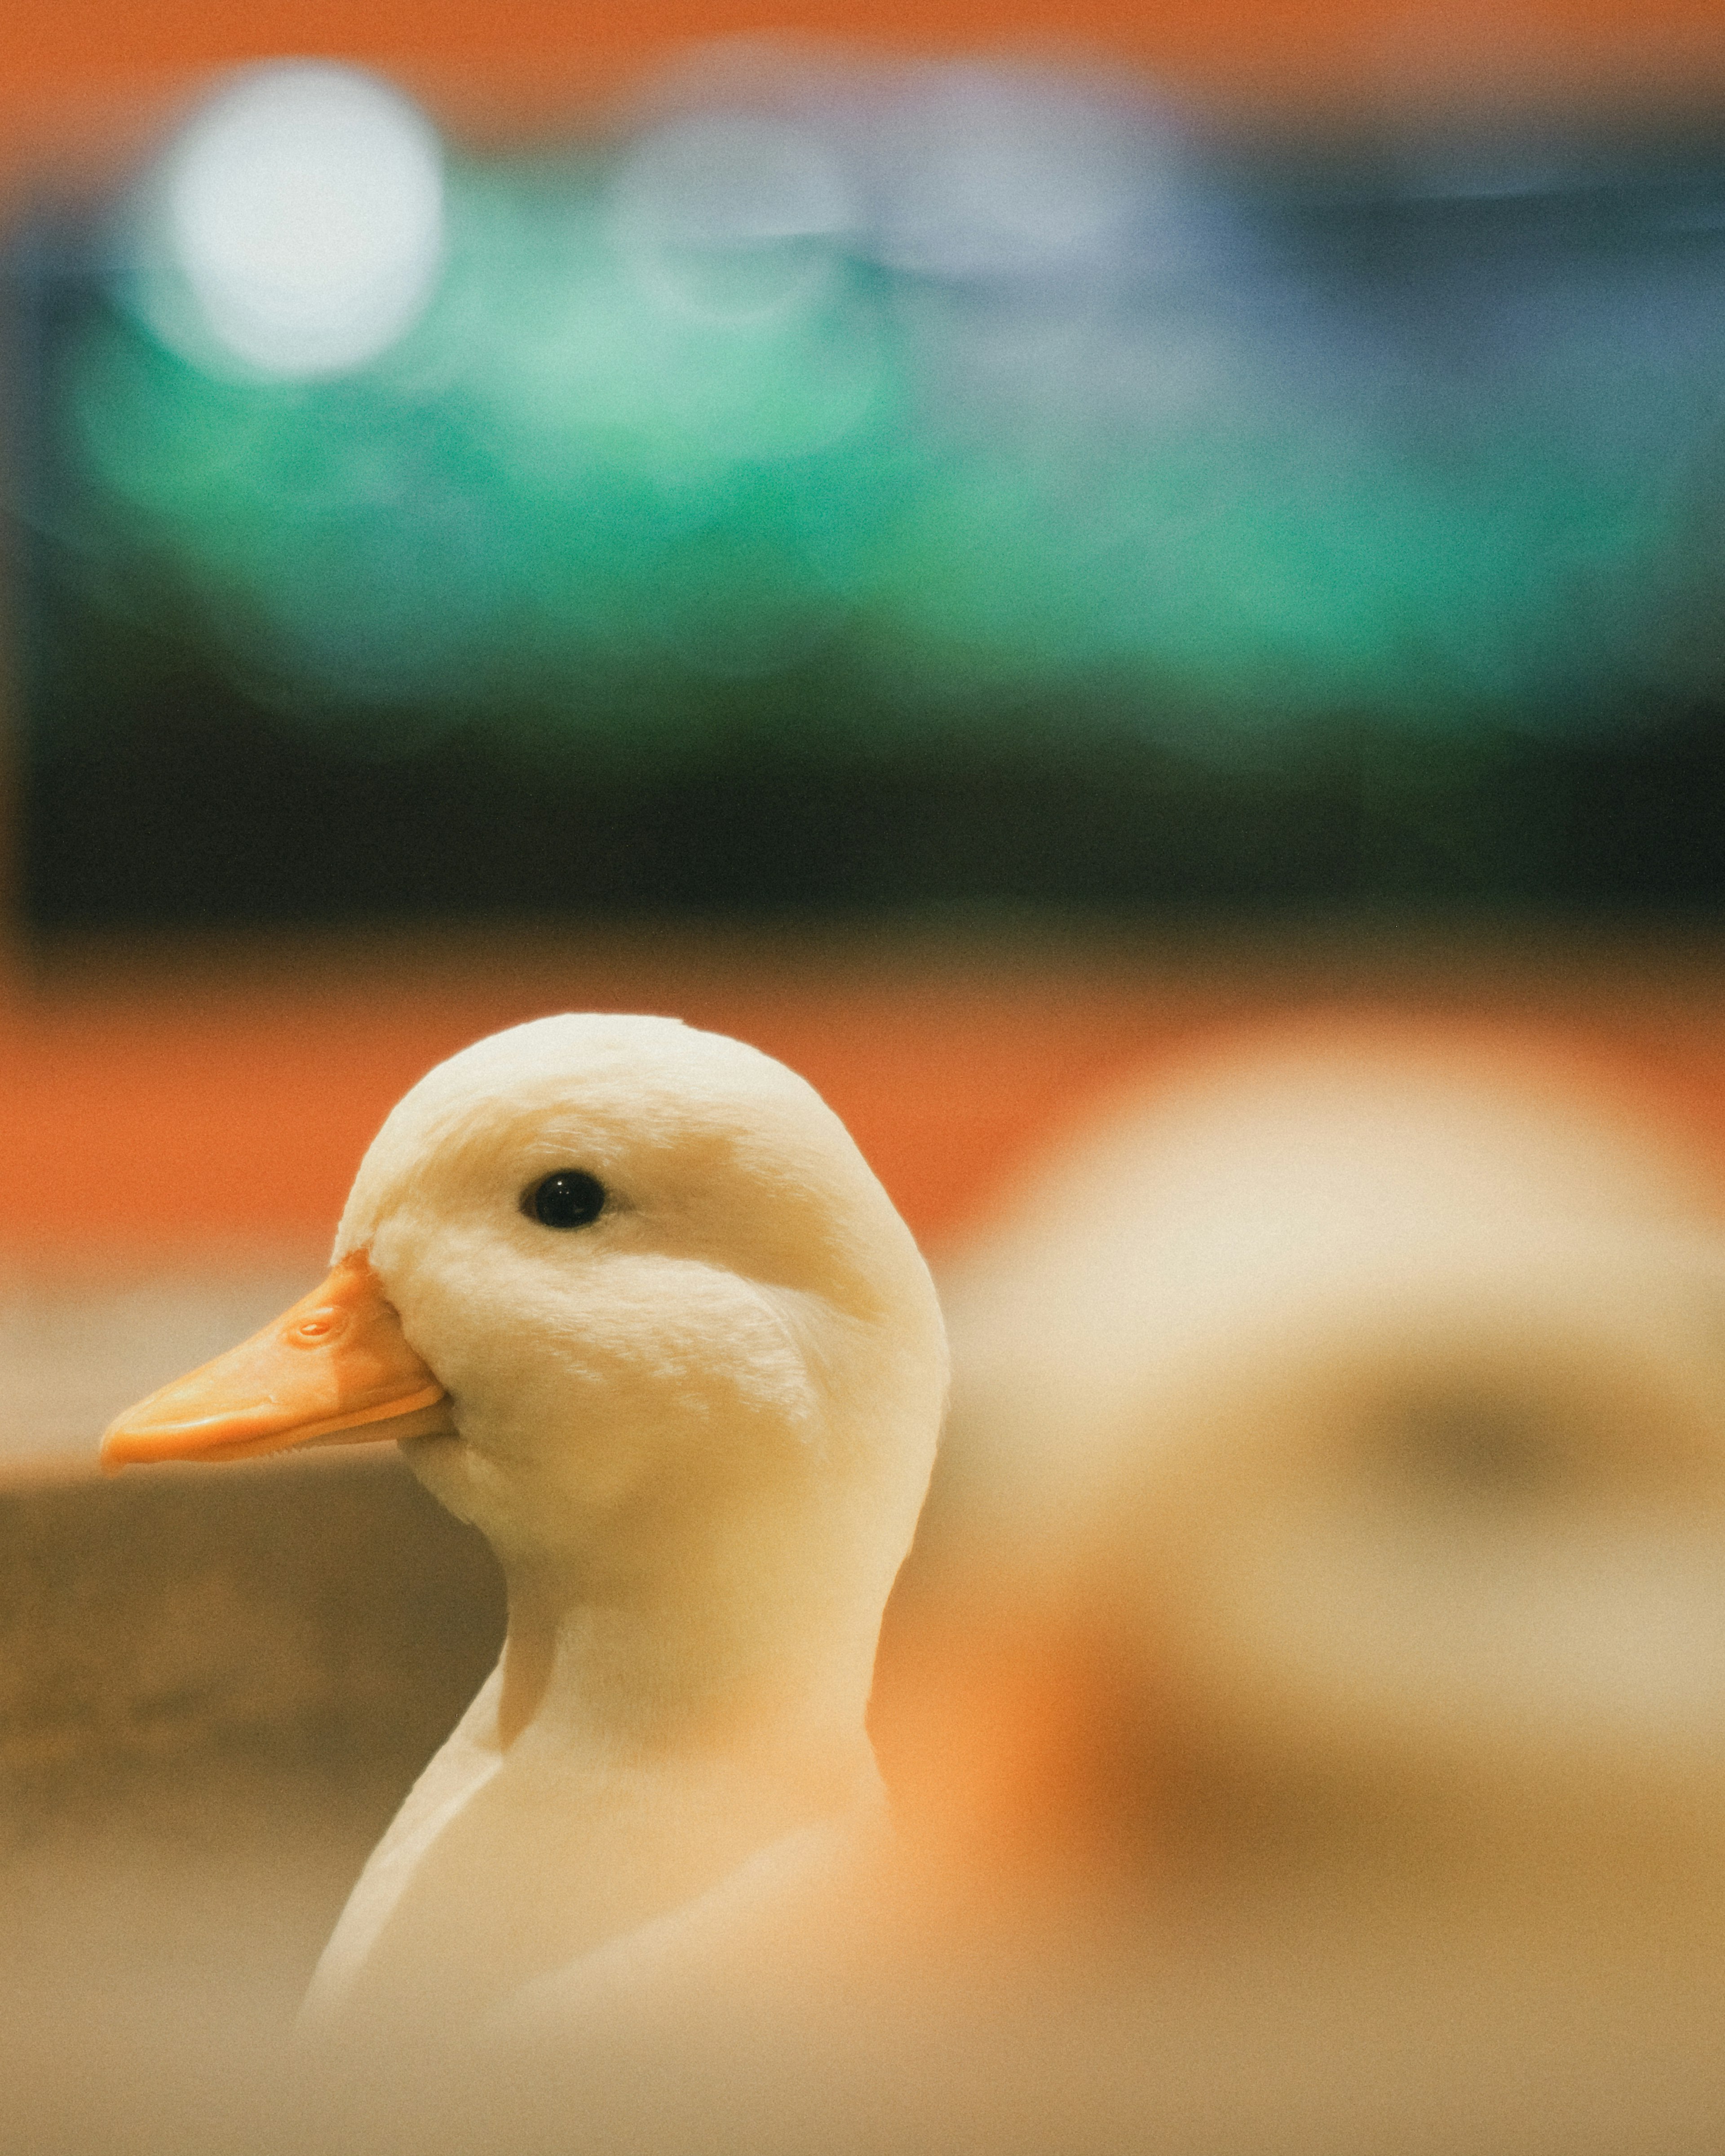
(1356, 1406)
(637, 1308)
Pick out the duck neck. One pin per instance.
(748, 1638)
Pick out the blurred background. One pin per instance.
(1141, 597)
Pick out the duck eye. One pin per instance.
(569, 1198)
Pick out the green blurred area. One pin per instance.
(583, 458)
(1374, 552)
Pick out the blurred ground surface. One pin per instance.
(215, 1685)
(162, 1918)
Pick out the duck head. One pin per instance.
(636, 1307)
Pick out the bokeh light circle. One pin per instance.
(303, 209)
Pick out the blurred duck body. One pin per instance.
(635, 1307)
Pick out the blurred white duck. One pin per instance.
(637, 1308)
(1340, 1431)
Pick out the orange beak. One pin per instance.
(336, 1369)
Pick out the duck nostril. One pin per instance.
(312, 1332)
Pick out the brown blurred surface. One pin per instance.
(215, 1688)
(304, 1611)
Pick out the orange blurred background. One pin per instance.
(165, 1097)
(530, 54)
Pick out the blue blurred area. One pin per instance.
(885, 413)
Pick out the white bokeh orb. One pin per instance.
(302, 211)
